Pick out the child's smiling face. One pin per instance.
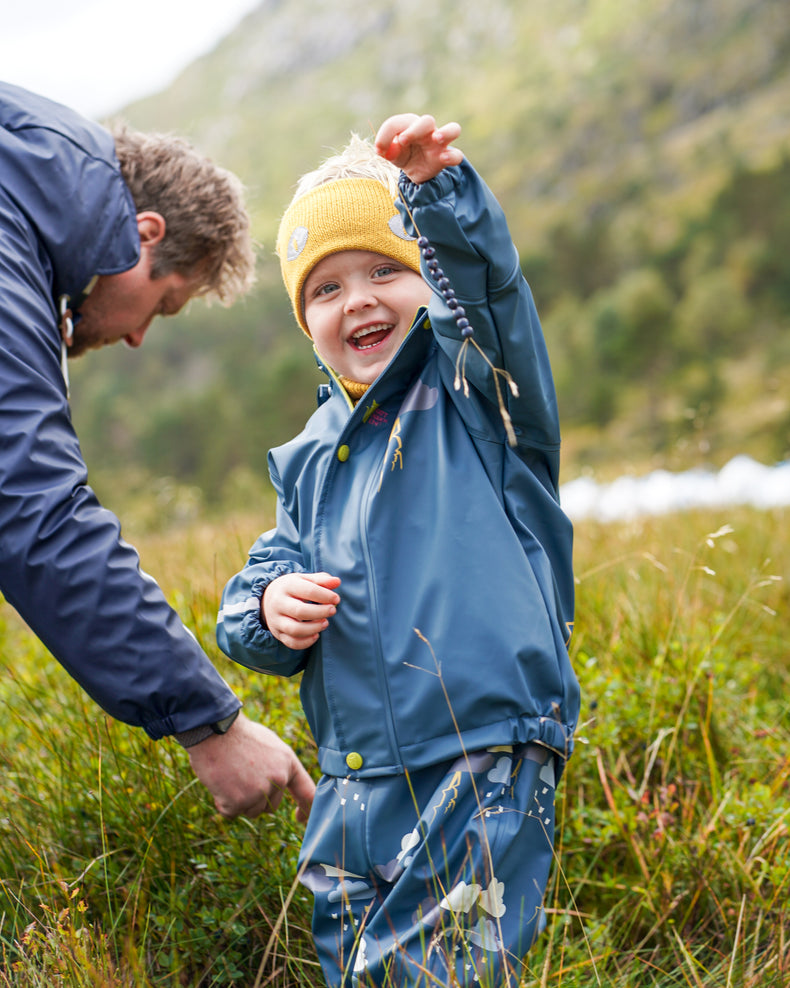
(359, 307)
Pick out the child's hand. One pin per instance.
(296, 607)
(417, 146)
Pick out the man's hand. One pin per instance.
(296, 607)
(249, 769)
(417, 146)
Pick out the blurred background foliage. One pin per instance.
(641, 152)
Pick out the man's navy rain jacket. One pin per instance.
(65, 216)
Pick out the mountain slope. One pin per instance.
(562, 102)
(640, 150)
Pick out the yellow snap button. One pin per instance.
(343, 453)
(354, 760)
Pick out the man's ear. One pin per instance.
(151, 227)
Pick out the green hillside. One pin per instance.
(641, 151)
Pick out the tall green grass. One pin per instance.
(674, 813)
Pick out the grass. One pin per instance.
(673, 815)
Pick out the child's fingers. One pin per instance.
(451, 156)
(392, 127)
(400, 132)
(297, 634)
(325, 580)
(302, 630)
(423, 130)
(415, 144)
(297, 644)
(315, 594)
(447, 133)
(305, 611)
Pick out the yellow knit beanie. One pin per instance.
(346, 214)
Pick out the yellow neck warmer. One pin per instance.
(354, 389)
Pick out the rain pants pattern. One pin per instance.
(438, 871)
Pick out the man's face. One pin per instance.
(122, 306)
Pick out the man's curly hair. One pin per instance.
(207, 225)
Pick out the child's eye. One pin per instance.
(326, 289)
(384, 270)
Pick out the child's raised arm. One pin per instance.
(417, 146)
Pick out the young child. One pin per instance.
(420, 571)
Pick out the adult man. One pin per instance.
(98, 235)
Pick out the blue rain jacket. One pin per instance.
(454, 554)
(65, 216)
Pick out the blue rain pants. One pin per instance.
(432, 878)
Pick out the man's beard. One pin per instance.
(83, 340)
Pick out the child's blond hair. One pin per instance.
(358, 159)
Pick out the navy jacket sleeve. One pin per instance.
(63, 563)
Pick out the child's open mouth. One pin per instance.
(371, 336)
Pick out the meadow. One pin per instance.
(673, 866)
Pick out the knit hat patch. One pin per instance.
(296, 242)
(347, 214)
